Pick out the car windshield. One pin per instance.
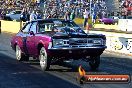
(67, 26)
(59, 26)
(64, 24)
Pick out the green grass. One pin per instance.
(80, 21)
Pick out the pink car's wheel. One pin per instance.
(44, 60)
(19, 55)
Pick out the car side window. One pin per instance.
(33, 27)
(41, 28)
(48, 27)
(18, 12)
(26, 28)
(45, 27)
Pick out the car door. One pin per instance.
(22, 37)
(32, 49)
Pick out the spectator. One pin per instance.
(124, 12)
(23, 16)
(39, 16)
(28, 12)
(67, 15)
(38, 3)
(55, 14)
(126, 4)
(33, 16)
(72, 16)
(93, 18)
(3, 15)
(85, 15)
(49, 16)
(103, 14)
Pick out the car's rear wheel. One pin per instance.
(94, 62)
(44, 60)
(20, 56)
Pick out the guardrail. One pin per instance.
(125, 24)
(10, 26)
(14, 27)
(104, 26)
(117, 42)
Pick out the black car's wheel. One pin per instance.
(94, 62)
(20, 56)
(44, 60)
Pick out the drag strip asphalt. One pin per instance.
(15, 74)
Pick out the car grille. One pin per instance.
(77, 42)
(83, 42)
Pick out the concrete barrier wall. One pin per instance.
(125, 24)
(116, 42)
(106, 26)
(14, 27)
(129, 25)
(10, 26)
(119, 44)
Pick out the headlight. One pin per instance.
(57, 42)
(60, 42)
(97, 41)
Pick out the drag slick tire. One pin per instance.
(44, 60)
(20, 56)
(94, 62)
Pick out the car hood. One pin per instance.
(77, 35)
(66, 32)
(71, 34)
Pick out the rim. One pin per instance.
(18, 53)
(43, 58)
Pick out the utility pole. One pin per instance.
(90, 7)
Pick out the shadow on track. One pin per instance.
(22, 75)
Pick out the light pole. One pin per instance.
(90, 6)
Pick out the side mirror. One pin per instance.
(31, 33)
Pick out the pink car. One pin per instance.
(107, 21)
(56, 40)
